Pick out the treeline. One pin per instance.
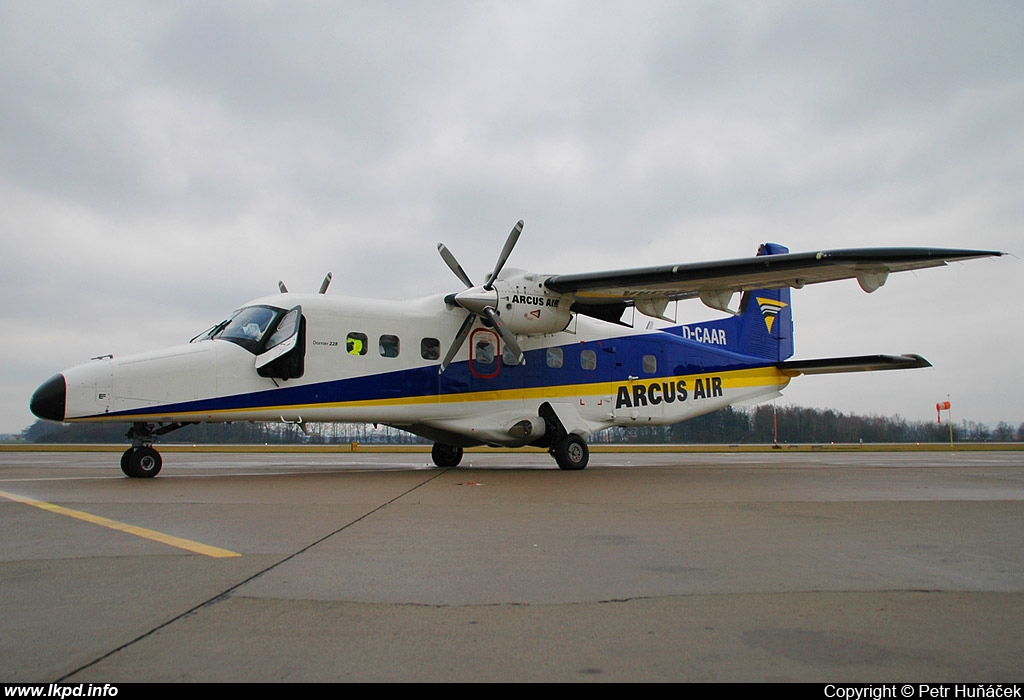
(759, 425)
(44, 432)
(797, 425)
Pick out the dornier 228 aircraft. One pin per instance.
(522, 359)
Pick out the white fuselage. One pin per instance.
(376, 361)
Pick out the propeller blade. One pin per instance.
(507, 336)
(454, 265)
(510, 243)
(325, 283)
(459, 339)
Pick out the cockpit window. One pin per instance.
(247, 327)
(285, 328)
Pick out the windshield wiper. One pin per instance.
(212, 332)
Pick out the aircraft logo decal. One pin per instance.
(770, 308)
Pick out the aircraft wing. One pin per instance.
(718, 279)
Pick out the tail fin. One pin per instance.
(764, 326)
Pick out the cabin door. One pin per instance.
(641, 390)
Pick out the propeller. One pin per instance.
(480, 301)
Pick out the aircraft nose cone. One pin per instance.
(50, 399)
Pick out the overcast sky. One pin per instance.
(161, 163)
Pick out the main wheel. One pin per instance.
(446, 455)
(571, 453)
(141, 462)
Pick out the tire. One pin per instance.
(571, 453)
(141, 463)
(446, 455)
(124, 460)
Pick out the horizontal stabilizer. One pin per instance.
(864, 363)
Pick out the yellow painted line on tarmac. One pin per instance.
(179, 542)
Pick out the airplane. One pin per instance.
(522, 359)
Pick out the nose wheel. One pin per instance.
(141, 462)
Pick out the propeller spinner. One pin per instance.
(480, 301)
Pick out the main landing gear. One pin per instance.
(446, 455)
(141, 461)
(570, 452)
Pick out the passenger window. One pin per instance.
(508, 358)
(554, 358)
(650, 364)
(430, 349)
(388, 346)
(355, 344)
(484, 354)
(588, 360)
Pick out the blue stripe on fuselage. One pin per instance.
(617, 359)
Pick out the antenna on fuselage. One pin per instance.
(323, 285)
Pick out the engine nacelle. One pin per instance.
(527, 430)
(528, 308)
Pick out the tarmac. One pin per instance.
(825, 567)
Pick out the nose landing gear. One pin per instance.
(141, 461)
